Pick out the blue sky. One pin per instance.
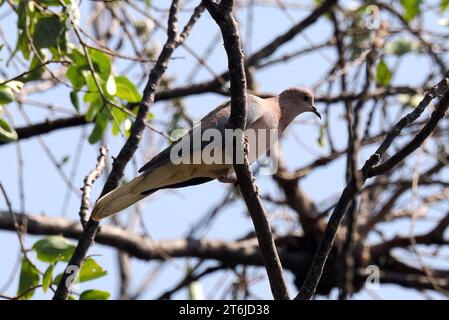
(169, 214)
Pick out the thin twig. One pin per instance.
(88, 182)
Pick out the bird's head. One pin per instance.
(298, 100)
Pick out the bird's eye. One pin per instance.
(306, 98)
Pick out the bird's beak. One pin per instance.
(315, 110)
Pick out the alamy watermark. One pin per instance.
(73, 280)
(212, 146)
(372, 17)
(372, 281)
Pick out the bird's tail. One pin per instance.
(118, 199)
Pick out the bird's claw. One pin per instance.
(245, 144)
(257, 190)
(228, 179)
(256, 187)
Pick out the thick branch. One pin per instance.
(49, 126)
(229, 253)
(434, 236)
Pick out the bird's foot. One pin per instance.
(245, 144)
(228, 179)
(256, 187)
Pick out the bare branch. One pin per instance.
(310, 284)
(131, 144)
(230, 253)
(223, 16)
(88, 182)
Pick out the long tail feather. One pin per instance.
(117, 200)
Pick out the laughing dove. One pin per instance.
(184, 162)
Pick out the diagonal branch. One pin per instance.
(88, 182)
(370, 169)
(130, 147)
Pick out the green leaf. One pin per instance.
(6, 95)
(21, 22)
(443, 22)
(29, 277)
(119, 116)
(75, 100)
(127, 125)
(321, 141)
(15, 86)
(383, 74)
(91, 96)
(401, 47)
(101, 63)
(78, 57)
(111, 87)
(91, 270)
(55, 3)
(126, 90)
(76, 77)
(410, 100)
(444, 5)
(91, 83)
(7, 133)
(54, 248)
(39, 69)
(101, 123)
(412, 9)
(57, 279)
(47, 31)
(196, 291)
(95, 295)
(64, 160)
(46, 280)
(95, 105)
(22, 45)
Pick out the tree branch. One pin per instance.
(223, 15)
(127, 151)
(310, 284)
(88, 182)
(229, 253)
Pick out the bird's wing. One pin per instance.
(216, 119)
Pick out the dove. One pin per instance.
(202, 154)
